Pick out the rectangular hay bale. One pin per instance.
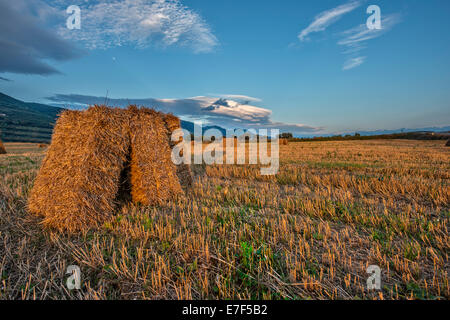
(100, 157)
(79, 179)
(153, 174)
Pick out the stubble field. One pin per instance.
(309, 232)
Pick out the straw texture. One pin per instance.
(153, 174)
(99, 157)
(183, 170)
(78, 182)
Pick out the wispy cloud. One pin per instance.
(328, 17)
(355, 36)
(140, 23)
(210, 110)
(354, 40)
(353, 63)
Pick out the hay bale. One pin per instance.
(283, 141)
(79, 179)
(448, 143)
(183, 170)
(2, 148)
(100, 157)
(42, 145)
(153, 174)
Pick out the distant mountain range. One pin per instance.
(445, 129)
(33, 122)
(190, 126)
(404, 130)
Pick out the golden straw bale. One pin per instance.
(183, 170)
(100, 157)
(153, 174)
(2, 148)
(283, 141)
(172, 122)
(79, 179)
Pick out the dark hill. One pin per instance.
(33, 122)
(26, 122)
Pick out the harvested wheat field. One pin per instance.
(96, 158)
(310, 231)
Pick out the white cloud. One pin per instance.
(356, 35)
(234, 109)
(209, 110)
(238, 97)
(353, 63)
(326, 18)
(141, 23)
(354, 39)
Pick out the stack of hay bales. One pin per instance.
(2, 148)
(93, 154)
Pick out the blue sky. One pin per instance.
(274, 64)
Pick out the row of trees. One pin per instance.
(357, 136)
